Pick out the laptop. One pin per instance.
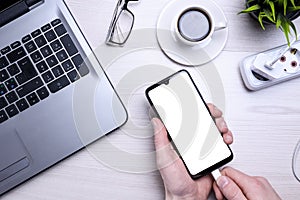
(54, 96)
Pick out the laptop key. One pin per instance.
(32, 99)
(52, 61)
(3, 103)
(42, 93)
(42, 66)
(57, 71)
(69, 45)
(58, 84)
(40, 41)
(46, 51)
(67, 65)
(13, 69)
(3, 116)
(73, 76)
(15, 44)
(29, 87)
(60, 30)
(3, 75)
(3, 62)
(11, 97)
(16, 54)
(80, 65)
(46, 27)
(48, 77)
(36, 33)
(3, 90)
(36, 56)
(56, 45)
(26, 38)
(5, 50)
(62, 55)
(77, 60)
(50, 35)
(12, 110)
(55, 22)
(21, 78)
(22, 105)
(27, 69)
(30, 47)
(11, 84)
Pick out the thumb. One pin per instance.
(165, 155)
(230, 189)
(160, 134)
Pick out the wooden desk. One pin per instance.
(265, 123)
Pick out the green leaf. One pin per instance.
(293, 3)
(278, 22)
(294, 29)
(260, 18)
(275, 11)
(272, 9)
(292, 9)
(280, 2)
(285, 27)
(284, 7)
(268, 14)
(286, 33)
(251, 9)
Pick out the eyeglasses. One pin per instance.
(121, 24)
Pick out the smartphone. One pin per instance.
(190, 126)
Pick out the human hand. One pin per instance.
(235, 185)
(177, 181)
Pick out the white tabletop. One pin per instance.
(265, 124)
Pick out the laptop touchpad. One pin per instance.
(12, 155)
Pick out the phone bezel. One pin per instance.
(209, 169)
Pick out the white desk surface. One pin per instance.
(265, 123)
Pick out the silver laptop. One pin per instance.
(54, 96)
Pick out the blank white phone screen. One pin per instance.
(189, 123)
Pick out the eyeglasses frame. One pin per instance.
(117, 12)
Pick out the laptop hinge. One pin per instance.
(31, 3)
(17, 10)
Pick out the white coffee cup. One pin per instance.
(195, 26)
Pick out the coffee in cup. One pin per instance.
(195, 26)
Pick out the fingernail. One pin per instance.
(228, 138)
(222, 182)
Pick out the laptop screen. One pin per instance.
(4, 4)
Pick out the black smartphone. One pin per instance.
(190, 126)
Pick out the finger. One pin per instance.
(228, 137)
(215, 112)
(221, 124)
(230, 189)
(169, 165)
(165, 154)
(241, 179)
(160, 134)
(223, 128)
(218, 193)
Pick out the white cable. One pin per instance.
(216, 174)
(296, 152)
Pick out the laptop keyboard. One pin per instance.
(42, 62)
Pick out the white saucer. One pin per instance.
(182, 53)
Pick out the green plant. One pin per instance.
(276, 12)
